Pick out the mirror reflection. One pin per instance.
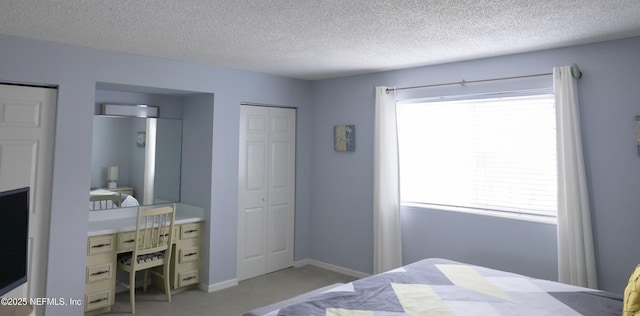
(135, 161)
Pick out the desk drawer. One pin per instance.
(189, 230)
(100, 244)
(126, 241)
(187, 278)
(97, 300)
(189, 254)
(99, 272)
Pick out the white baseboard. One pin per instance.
(301, 263)
(218, 286)
(331, 267)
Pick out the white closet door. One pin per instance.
(281, 189)
(27, 119)
(266, 193)
(252, 192)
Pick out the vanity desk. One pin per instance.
(112, 232)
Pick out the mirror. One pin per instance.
(147, 153)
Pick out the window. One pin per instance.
(484, 155)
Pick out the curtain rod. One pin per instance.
(575, 72)
(463, 82)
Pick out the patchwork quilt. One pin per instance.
(444, 287)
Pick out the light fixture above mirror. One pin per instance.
(133, 110)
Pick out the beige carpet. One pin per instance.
(248, 295)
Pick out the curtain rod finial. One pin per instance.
(575, 71)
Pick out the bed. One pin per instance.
(101, 199)
(445, 287)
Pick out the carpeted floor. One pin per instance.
(234, 301)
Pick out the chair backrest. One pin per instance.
(106, 201)
(154, 230)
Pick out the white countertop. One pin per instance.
(121, 220)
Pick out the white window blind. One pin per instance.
(489, 154)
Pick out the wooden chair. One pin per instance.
(105, 201)
(152, 248)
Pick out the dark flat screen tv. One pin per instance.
(14, 236)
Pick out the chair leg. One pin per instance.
(167, 288)
(132, 291)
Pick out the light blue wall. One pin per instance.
(196, 163)
(342, 200)
(212, 177)
(505, 244)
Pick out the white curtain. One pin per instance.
(576, 259)
(387, 245)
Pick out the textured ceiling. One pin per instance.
(316, 39)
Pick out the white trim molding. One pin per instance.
(218, 286)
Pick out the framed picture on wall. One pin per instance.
(344, 138)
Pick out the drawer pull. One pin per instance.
(129, 241)
(190, 231)
(191, 254)
(99, 273)
(101, 245)
(98, 300)
(189, 278)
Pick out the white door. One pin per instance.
(27, 119)
(266, 193)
